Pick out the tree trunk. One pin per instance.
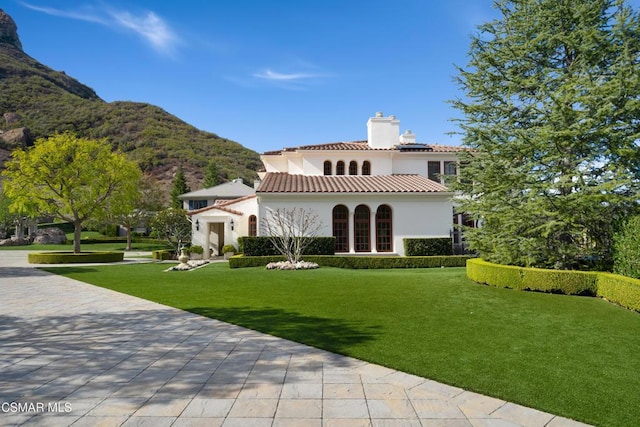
(77, 234)
(128, 238)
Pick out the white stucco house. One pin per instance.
(369, 194)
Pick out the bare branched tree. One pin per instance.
(291, 230)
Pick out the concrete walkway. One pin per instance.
(76, 354)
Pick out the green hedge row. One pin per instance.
(428, 246)
(621, 290)
(262, 246)
(163, 254)
(618, 289)
(357, 262)
(71, 258)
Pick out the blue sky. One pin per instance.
(267, 74)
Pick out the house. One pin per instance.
(369, 194)
(209, 196)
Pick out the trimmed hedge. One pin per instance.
(262, 246)
(428, 246)
(357, 262)
(163, 254)
(621, 290)
(71, 258)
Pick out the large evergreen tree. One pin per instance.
(179, 187)
(551, 109)
(211, 175)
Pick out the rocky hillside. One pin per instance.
(36, 101)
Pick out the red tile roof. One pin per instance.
(222, 205)
(286, 183)
(363, 145)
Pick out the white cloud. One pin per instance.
(149, 26)
(273, 75)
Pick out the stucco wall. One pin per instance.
(423, 215)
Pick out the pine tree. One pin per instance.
(551, 110)
(179, 187)
(211, 178)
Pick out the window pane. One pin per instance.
(341, 228)
(366, 168)
(362, 230)
(433, 172)
(353, 168)
(327, 167)
(340, 168)
(384, 234)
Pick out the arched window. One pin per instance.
(362, 229)
(341, 228)
(366, 168)
(384, 231)
(353, 167)
(327, 167)
(340, 168)
(253, 226)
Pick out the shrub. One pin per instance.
(196, 249)
(163, 255)
(228, 248)
(262, 246)
(257, 246)
(502, 276)
(356, 262)
(626, 254)
(532, 279)
(624, 291)
(73, 258)
(428, 246)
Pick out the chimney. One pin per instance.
(408, 137)
(383, 132)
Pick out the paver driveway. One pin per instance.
(76, 354)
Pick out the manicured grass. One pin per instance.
(573, 356)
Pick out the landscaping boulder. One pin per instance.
(49, 236)
(15, 241)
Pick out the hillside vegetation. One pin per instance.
(45, 101)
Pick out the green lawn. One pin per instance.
(573, 356)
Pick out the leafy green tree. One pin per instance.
(8, 219)
(70, 178)
(627, 249)
(148, 201)
(551, 111)
(172, 225)
(211, 175)
(179, 187)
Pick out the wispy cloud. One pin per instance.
(298, 80)
(149, 26)
(273, 75)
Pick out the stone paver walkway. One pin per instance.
(76, 354)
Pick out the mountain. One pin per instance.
(36, 101)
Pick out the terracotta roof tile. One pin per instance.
(362, 145)
(287, 183)
(222, 205)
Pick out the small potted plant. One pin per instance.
(228, 251)
(196, 252)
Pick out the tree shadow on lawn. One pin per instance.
(328, 334)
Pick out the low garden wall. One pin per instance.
(618, 289)
(357, 262)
